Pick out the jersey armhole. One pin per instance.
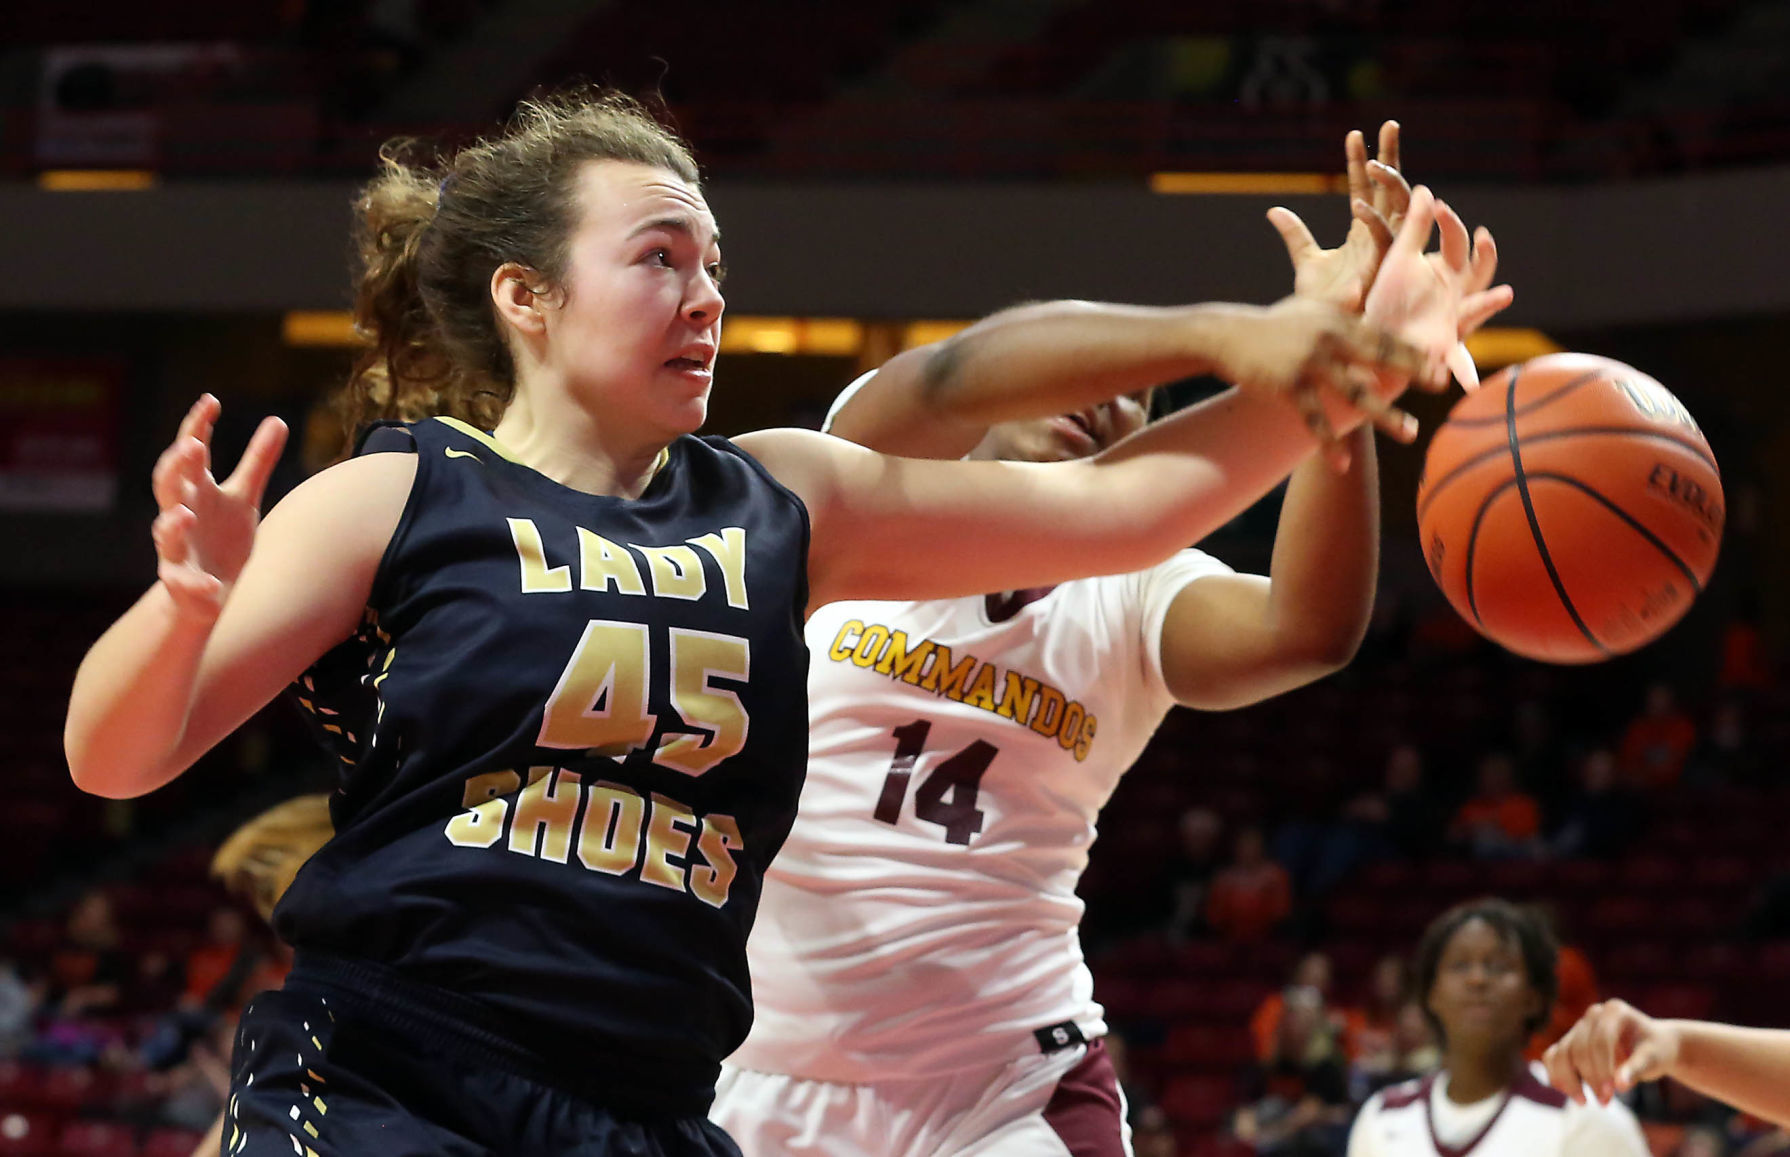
(392, 438)
(727, 446)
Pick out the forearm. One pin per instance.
(1748, 1068)
(1327, 556)
(132, 695)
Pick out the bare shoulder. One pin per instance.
(357, 502)
(809, 463)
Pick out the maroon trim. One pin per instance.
(1429, 1118)
(1403, 1096)
(1530, 1088)
(1085, 1111)
(1002, 607)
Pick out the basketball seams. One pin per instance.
(1529, 407)
(1430, 493)
(1634, 524)
(1473, 544)
(1541, 546)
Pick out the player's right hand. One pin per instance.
(205, 528)
(1613, 1047)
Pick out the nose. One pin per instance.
(703, 303)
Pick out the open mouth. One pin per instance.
(688, 365)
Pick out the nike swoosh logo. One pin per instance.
(453, 453)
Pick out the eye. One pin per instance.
(717, 272)
(660, 257)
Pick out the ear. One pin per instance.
(517, 300)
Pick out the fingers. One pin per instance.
(1388, 152)
(1375, 348)
(249, 480)
(1375, 224)
(1485, 261)
(1355, 150)
(190, 587)
(1420, 218)
(1455, 246)
(200, 419)
(1311, 408)
(1461, 365)
(1391, 420)
(177, 471)
(170, 530)
(1640, 1065)
(1476, 309)
(1392, 193)
(1299, 241)
(1561, 1073)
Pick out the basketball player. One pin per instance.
(919, 982)
(1615, 1046)
(555, 641)
(1485, 977)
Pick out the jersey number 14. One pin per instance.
(948, 797)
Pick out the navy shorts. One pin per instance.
(308, 1080)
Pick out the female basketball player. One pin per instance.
(1615, 1046)
(919, 981)
(1485, 976)
(561, 660)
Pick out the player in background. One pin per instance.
(919, 980)
(1485, 977)
(1615, 1046)
(555, 640)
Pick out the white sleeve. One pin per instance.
(1596, 1130)
(1157, 588)
(845, 395)
(1364, 1139)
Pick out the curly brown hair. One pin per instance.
(431, 230)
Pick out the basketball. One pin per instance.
(1570, 508)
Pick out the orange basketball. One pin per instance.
(1570, 508)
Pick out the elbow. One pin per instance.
(94, 774)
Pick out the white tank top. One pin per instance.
(922, 917)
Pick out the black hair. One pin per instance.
(1523, 926)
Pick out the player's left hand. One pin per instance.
(1613, 1047)
(1378, 199)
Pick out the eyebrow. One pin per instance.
(675, 224)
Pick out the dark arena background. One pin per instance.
(174, 189)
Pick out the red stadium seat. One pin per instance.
(96, 1139)
(1209, 1048)
(27, 1135)
(21, 1086)
(67, 1090)
(1199, 1102)
(170, 1143)
(1639, 960)
(1678, 1001)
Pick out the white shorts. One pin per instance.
(1060, 1104)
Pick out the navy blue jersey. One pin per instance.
(573, 733)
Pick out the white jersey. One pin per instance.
(922, 919)
(1416, 1119)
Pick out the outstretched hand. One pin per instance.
(1434, 300)
(206, 528)
(1612, 1048)
(1378, 199)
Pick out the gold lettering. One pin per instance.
(1087, 737)
(482, 825)
(600, 702)
(666, 837)
(900, 663)
(696, 658)
(537, 577)
(864, 654)
(677, 571)
(548, 805)
(720, 838)
(1050, 711)
(1016, 702)
(609, 839)
(1070, 732)
(845, 640)
(602, 563)
(728, 549)
(981, 692)
(943, 678)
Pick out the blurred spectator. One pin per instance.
(1601, 818)
(219, 968)
(1576, 980)
(1296, 1104)
(192, 1093)
(1744, 664)
(1152, 1134)
(1500, 821)
(86, 981)
(1414, 818)
(18, 1010)
(1656, 743)
(1726, 757)
(1190, 872)
(1410, 1053)
(1535, 744)
(1252, 894)
(1313, 971)
(1369, 1030)
(1701, 1141)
